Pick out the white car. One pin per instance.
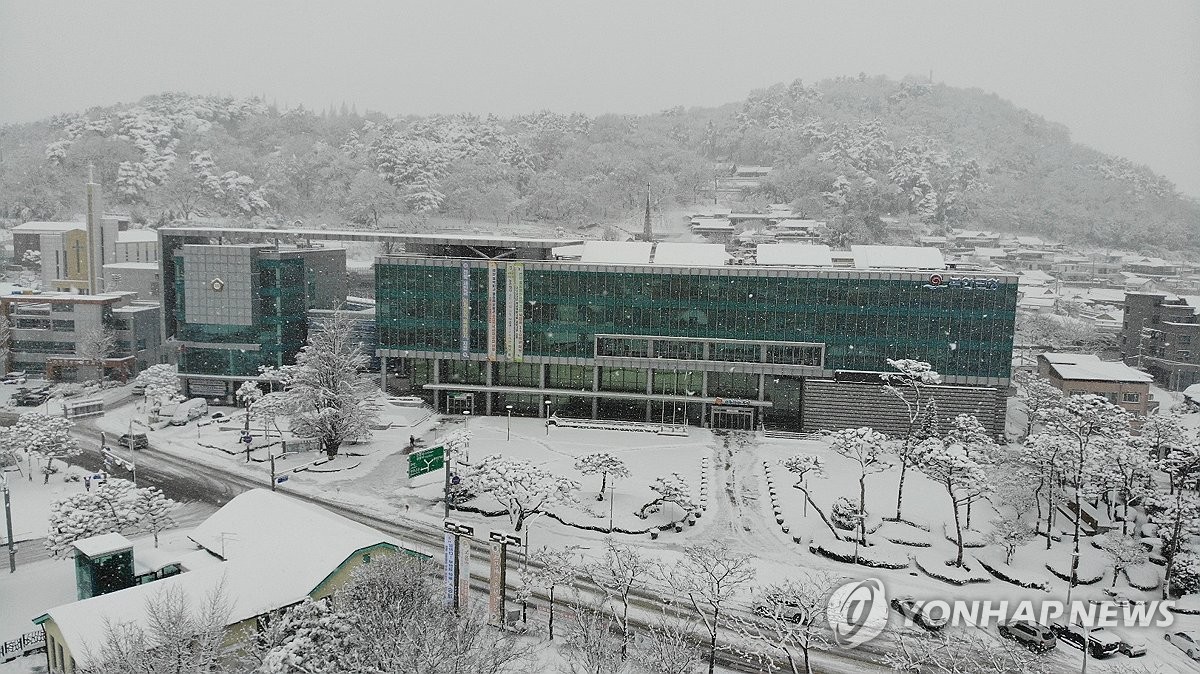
(908, 607)
(1131, 644)
(1188, 642)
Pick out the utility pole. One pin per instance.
(12, 550)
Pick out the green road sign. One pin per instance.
(426, 461)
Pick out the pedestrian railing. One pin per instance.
(27, 644)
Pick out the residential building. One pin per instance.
(28, 236)
(1161, 333)
(261, 552)
(136, 245)
(1086, 374)
(48, 331)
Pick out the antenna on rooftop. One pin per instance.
(647, 228)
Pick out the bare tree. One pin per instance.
(961, 652)
(908, 385)
(95, 346)
(592, 644)
(803, 465)
(865, 447)
(668, 644)
(709, 575)
(791, 619)
(621, 572)
(177, 637)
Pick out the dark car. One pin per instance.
(134, 441)
(1033, 635)
(30, 398)
(1101, 643)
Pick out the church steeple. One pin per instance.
(647, 229)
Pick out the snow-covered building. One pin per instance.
(261, 552)
(1081, 373)
(1162, 332)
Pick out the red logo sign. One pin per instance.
(935, 279)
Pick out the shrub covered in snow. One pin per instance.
(874, 557)
(948, 571)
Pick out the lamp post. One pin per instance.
(548, 403)
(509, 409)
(12, 551)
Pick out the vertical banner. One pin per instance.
(491, 311)
(510, 311)
(518, 271)
(464, 338)
(464, 571)
(496, 585)
(451, 569)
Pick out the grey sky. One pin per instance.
(1123, 76)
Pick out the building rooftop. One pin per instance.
(40, 226)
(103, 544)
(897, 257)
(793, 255)
(690, 254)
(137, 235)
(1089, 367)
(617, 252)
(495, 241)
(147, 266)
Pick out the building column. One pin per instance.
(437, 379)
(649, 389)
(595, 388)
(383, 365)
(487, 397)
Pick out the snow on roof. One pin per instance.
(1086, 366)
(711, 223)
(691, 254)
(103, 544)
(132, 265)
(897, 257)
(981, 251)
(40, 226)
(277, 550)
(137, 235)
(793, 254)
(617, 252)
(1034, 277)
(574, 251)
(799, 223)
(1192, 393)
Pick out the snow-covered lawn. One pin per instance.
(31, 499)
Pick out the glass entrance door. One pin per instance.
(732, 418)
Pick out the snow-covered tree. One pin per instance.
(619, 574)
(5, 341)
(1009, 533)
(966, 430)
(908, 384)
(107, 508)
(804, 465)
(963, 478)
(179, 635)
(1123, 468)
(1178, 517)
(1043, 455)
(1086, 422)
(671, 488)
(161, 382)
(709, 575)
(961, 652)
(247, 394)
(523, 489)
(1036, 394)
(328, 396)
(152, 511)
(1162, 432)
(313, 636)
(790, 617)
(96, 345)
(591, 645)
(605, 464)
(866, 447)
(668, 644)
(47, 436)
(548, 568)
(1123, 551)
(267, 410)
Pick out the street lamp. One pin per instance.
(1074, 571)
(548, 403)
(509, 408)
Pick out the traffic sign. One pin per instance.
(247, 439)
(281, 479)
(426, 461)
(504, 538)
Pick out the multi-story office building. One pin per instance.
(478, 324)
(726, 345)
(1161, 334)
(49, 330)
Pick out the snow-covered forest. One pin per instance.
(848, 150)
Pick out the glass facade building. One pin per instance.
(639, 341)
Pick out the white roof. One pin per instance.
(793, 254)
(137, 235)
(277, 551)
(711, 223)
(897, 257)
(150, 266)
(102, 544)
(1192, 392)
(798, 223)
(1086, 366)
(39, 226)
(617, 252)
(691, 254)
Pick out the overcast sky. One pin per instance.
(1123, 76)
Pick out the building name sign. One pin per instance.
(938, 282)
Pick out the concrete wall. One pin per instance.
(832, 405)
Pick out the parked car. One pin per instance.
(138, 389)
(1188, 642)
(189, 410)
(1131, 644)
(15, 378)
(1035, 636)
(1100, 642)
(769, 606)
(134, 440)
(30, 398)
(910, 608)
(220, 417)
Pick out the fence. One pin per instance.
(28, 644)
(78, 409)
